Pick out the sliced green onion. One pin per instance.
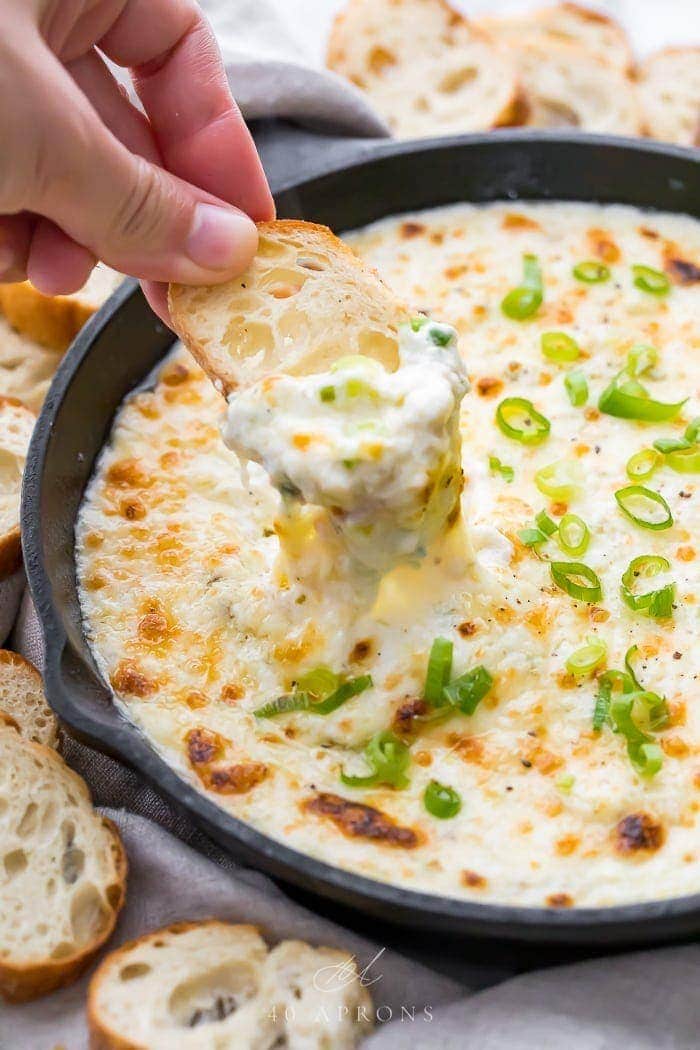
(692, 431)
(343, 693)
(573, 536)
(601, 709)
(629, 400)
(467, 691)
(666, 445)
(589, 657)
(531, 537)
(578, 580)
(388, 758)
(418, 322)
(657, 603)
(519, 420)
(645, 756)
(327, 393)
(438, 673)
(644, 507)
(525, 300)
(441, 334)
(302, 700)
(565, 783)
(320, 681)
(591, 272)
(545, 524)
(649, 280)
(496, 467)
(641, 358)
(559, 347)
(642, 464)
(684, 460)
(441, 801)
(576, 386)
(631, 652)
(560, 480)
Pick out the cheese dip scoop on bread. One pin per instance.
(346, 401)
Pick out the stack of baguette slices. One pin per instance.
(428, 70)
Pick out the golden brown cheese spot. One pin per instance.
(685, 553)
(194, 699)
(132, 509)
(469, 748)
(232, 692)
(236, 779)
(453, 272)
(567, 845)
(130, 680)
(603, 246)
(379, 59)
(675, 747)
(638, 833)
(405, 715)
(558, 508)
(204, 746)
(127, 473)
(514, 220)
(357, 820)
(559, 900)
(175, 375)
(489, 386)
(646, 231)
(153, 627)
(411, 229)
(467, 629)
(473, 880)
(361, 650)
(680, 270)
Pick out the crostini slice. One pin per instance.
(669, 89)
(16, 426)
(22, 698)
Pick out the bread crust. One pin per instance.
(52, 321)
(10, 541)
(9, 658)
(101, 1035)
(22, 982)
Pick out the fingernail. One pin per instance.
(219, 238)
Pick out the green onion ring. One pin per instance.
(629, 400)
(441, 801)
(573, 536)
(519, 420)
(576, 386)
(531, 537)
(438, 672)
(657, 604)
(684, 460)
(525, 300)
(559, 347)
(588, 658)
(649, 280)
(496, 467)
(388, 758)
(692, 431)
(591, 272)
(636, 494)
(560, 480)
(641, 358)
(566, 575)
(642, 464)
(666, 445)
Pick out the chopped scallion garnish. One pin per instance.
(327, 393)
(519, 420)
(666, 445)
(560, 480)
(559, 347)
(441, 801)
(578, 580)
(466, 692)
(573, 536)
(525, 300)
(650, 280)
(644, 507)
(656, 603)
(628, 399)
(545, 523)
(641, 358)
(692, 431)
(642, 464)
(591, 272)
(588, 658)
(576, 386)
(388, 758)
(308, 700)
(496, 467)
(684, 460)
(439, 671)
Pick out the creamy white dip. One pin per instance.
(379, 450)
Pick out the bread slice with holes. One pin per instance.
(602, 37)
(62, 871)
(53, 321)
(213, 986)
(306, 300)
(426, 69)
(669, 89)
(567, 86)
(22, 698)
(16, 426)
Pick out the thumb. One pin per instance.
(131, 213)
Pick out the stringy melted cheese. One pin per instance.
(191, 622)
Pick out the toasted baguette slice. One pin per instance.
(16, 425)
(427, 70)
(305, 301)
(62, 874)
(53, 321)
(22, 698)
(566, 23)
(669, 88)
(566, 86)
(212, 985)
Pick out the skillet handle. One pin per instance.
(291, 154)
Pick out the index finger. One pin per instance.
(181, 81)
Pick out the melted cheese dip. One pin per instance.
(380, 450)
(194, 628)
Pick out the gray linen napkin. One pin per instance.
(644, 1000)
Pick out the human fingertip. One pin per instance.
(221, 241)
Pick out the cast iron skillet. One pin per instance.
(123, 342)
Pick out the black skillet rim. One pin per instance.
(639, 922)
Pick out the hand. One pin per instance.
(84, 175)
